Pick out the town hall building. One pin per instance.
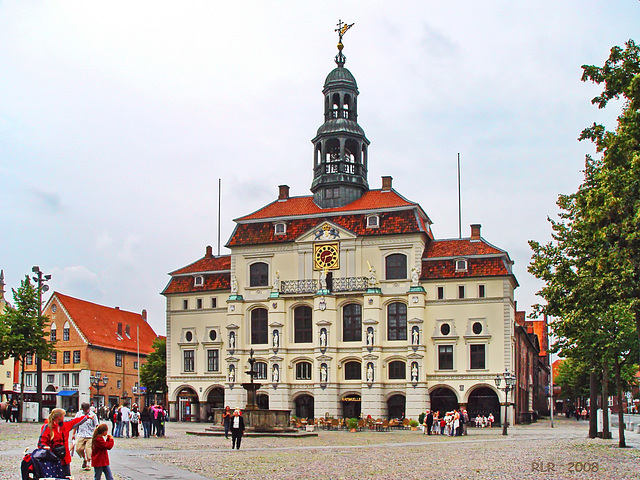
(349, 302)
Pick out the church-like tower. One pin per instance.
(340, 146)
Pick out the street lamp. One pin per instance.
(39, 278)
(509, 383)
(98, 382)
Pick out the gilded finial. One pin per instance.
(342, 29)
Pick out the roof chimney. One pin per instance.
(283, 192)
(117, 308)
(475, 231)
(208, 252)
(386, 183)
(144, 314)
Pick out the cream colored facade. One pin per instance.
(495, 312)
(350, 304)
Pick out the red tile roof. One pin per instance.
(206, 264)
(391, 222)
(459, 248)
(99, 324)
(476, 267)
(215, 270)
(296, 206)
(186, 284)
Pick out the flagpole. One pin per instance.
(459, 202)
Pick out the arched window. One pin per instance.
(53, 332)
(259, 330)
(397, 321)
(352, 371)
(65, 332)
(352, 323)
(259, 275)
(397, 370)
(261, 370)
(396, 267)
(302, 325)
(303, 371)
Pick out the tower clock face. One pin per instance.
(326, 256)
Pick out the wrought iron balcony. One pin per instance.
(335, 285)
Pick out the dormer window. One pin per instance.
(461, 265)
(373, 221)
(198, 281)
(280, 228)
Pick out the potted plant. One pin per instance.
(352, 424)
(413, 424)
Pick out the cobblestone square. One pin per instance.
(529, 451)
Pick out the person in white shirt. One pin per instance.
(83, 435)
(126, 419)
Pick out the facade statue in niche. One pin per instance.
(323, 337)
(415, 277)
(370, 336)
(232, 340)
(232, 374)
(276, 282)
(276, 339)
(414, 372)
(323, 373)
(373, 279)
(370, 372)
(234, 285)
(275, 374)
(323, 278)
(415, 335)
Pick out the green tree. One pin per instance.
(22, 329)
(591, 269)
(153, 374)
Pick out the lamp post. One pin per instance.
(98, 382)
(40, 279)
(509, 383)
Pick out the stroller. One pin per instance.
(40, 464)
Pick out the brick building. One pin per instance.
(92, 338)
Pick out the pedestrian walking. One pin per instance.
(83, 435)
(102, 442)
(237, 429)
(226, 420)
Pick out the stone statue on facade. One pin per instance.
(234, 285)
(370, 373)
(276, 339)
(415, 277)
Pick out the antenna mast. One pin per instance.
(459, 202)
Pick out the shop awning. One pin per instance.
(67, 393)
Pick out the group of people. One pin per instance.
(10, 411)
(152, 419)
(89, 439)
(484, 421)
(452, 423)
(234, 423)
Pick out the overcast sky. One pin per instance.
(118, 118)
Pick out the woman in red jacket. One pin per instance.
(102, 443)
(55, 436)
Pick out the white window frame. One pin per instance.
(280, 228)
(462, 265)
(373, 221)
(198, 281)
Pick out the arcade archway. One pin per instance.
(304, 406)
(444, 400)
(351, 405)
(483, 401)
(396, 405)
(188, 405)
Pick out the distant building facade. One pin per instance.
(90, 339)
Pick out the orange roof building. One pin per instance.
(93, 343)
